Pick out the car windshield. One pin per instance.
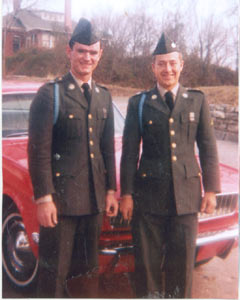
(15, 113)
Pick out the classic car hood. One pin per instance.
(229, 179)
(15, 150)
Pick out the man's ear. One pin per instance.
(182, 63)
(68, 51)
(153, 67)
(101, 52)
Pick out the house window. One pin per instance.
(16, 43)
(51, 42)
(34, 39)
(46, 40)
(28, 42)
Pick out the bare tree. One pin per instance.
(233, 34)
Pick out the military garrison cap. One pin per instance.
(85, 33)
(165, 45)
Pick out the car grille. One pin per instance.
(226, 204)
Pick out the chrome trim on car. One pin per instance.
(117, 250)
(226, 205)
(202, 240)
(22, 242)
(230, 234)
(35, 237)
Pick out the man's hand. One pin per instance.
(111, 204)
(46, 211)
(126, 207)
(209, 203)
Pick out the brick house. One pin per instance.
(32, 28)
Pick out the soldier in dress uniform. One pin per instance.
(162, 190)
(72, 166)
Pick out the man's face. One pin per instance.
(84, 59)
(167, 69)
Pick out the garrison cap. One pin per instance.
(165, 45)
(85, 33)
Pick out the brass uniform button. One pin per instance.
(171, 120)
(150, 122)
(57, 156)
(199, 174)
(174, 145)
(90, 117)
(174, 158)
(71, 116)
(144, 175)
(91, 143)
(90, 129)
(58, 174)
(92, 155)
(172, 132)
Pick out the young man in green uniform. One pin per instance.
(162, 191)
(72, 166)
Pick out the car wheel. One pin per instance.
(19, 263)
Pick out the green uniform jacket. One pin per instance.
(74, 159)
(168, 167)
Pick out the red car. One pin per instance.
(218, 232)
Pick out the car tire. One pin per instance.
(19, 263)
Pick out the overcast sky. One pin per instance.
(89, 8)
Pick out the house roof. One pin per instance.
(30, 21)
(9, 21)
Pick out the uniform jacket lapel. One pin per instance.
(95, 96)
(73, 91)
(155, 100)
(182, 101)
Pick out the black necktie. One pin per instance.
(169, 100)
(86, 92)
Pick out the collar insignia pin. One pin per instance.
(154, 97)
(71, 86)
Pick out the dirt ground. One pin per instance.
(217, 279)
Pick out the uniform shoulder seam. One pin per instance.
(195, 90)
(102, 86)
(140, 93)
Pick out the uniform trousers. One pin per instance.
(67, 250)
(164, 254)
